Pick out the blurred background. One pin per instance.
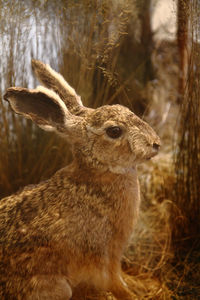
(143, 54)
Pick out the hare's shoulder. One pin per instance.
(36, 191)
(29, 205)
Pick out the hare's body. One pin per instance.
(43, 238)
(74, 227)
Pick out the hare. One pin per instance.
(73, 228)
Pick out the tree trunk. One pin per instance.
(146, 39)
(188, 146)
(182, 40)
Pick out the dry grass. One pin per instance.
(102, 67)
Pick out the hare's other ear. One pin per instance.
(42, 106)
(55, 81)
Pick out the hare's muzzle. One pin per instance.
(155, 149)
(156, 146)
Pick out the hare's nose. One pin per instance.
(156, 146)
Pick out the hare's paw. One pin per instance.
(121, 291)
(49, 288)
(123, 294)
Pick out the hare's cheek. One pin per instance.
(102, 151)
(112, 152)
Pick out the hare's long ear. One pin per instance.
(55, 81)
(45, 108)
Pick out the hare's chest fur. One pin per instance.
(104, 209)
(104, 218)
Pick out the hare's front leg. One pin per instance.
(120, 289)
(45, 287)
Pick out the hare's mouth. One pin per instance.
(152, 154)
(150, 157)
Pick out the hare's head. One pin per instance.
(109, 137)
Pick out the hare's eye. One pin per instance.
(114, 132)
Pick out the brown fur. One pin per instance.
(74, 227)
